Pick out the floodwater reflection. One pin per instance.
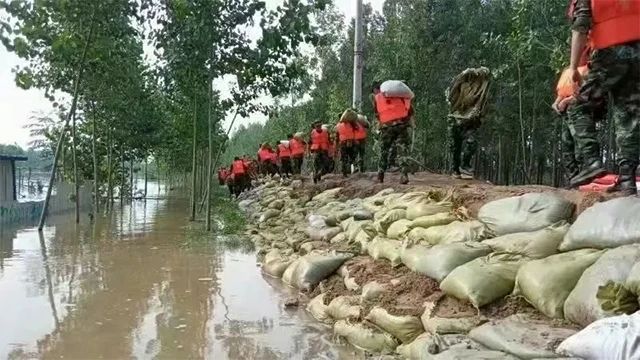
(128, 287)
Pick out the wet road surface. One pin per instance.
(136, 285)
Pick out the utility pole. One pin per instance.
(358, 61)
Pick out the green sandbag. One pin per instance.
(318, 309)
(546, 283)
(275, 263)
(365, 337)
(484, 280)
(344, 307)
(430, 346)
(405, 328)
(306, 272)
(381, 225)
(535, 244)
(582, 305)
(465, 354)
(428, 208)
(438, 261)
(615, 298)
(457, 231)
(432, 220)
(633, 280)
(528, 212)
(371, 291)
(398, 229)
(354, 228)
(381, 248)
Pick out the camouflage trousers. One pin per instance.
(394, 137)
(462, 142)
(570, 160)
(321, 164)
(616, 71)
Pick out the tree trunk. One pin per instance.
(96, 185)
(131, 179)
(109, 170)
(210, 165)
(193, 163)
(122, 175)
(72, 111)
(76, 185)
(145, 177)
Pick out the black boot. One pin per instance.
(380, 177)
(626, 183)
(404, 178)
(466, 173)
(590, 172)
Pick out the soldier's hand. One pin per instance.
(562, 106)
(575, 75)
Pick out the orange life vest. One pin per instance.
(284, 151)
(615, 22)
(273, 157)
(223, 174)
(391, 109)
(360, 133)
(264, 155)
(345, 132)
(238, 167)
(566, 86)
(297, 147)
(319, 140)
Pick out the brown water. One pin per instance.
(132, 285)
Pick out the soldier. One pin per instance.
(395, 118)
(320, 142)
(345, 143)
(284, 154)
(467, 97)
(239, 171)
(297, 146)
(612, 26)
(360, 142)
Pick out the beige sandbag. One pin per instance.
(457, 231)
(363, 239)
(484, 280)
(521, 335)
(535, 244)
(398, 229)
(327, 195)
(461, 353)
(306, 272)
(582, 305)
(268, 214)
(339, 238)
(429, 346)
(458, 324)
(318, 309)
(365, 337)
(312, 245)
(428, 208)
(405, 328)
(381, 248)
(344, 307)
(324, 234)
(428, 221)
(633, 280)
(438, 261)
(354, 228)
(371, 291)
(381, 225)
(546, 283)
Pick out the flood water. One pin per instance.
(135, 285)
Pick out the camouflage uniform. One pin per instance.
(321, 164)
(567, 135)
(394, 136)
(462, 142)
(614, 70)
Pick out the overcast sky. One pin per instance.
(17, 105)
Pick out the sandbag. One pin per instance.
(354, 228)
(461, 324)
(275, 263)
(546, 283)
(381, 225)
(582, 305)
(428, 208)
(438, 261)
(362, 214)
(318, 309)
(327, 195)
(522, 336)
(268, 214)
(371, 291)
(349, 116)
(614, 338)
(396, 88)
(324, 234)
(535, 244)
(605, 225)
(457, 231)
(344, 307)
(317, 221)
(310, 269)
(339, 238)
(483, 280)
(312, 245)
(381, 248)
(398, 229)
(365, 337)
(633, 280)
(465, 354)
(528, 212)
(429, 346)
(405, 328)
(428, 221)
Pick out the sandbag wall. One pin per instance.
(522, 246)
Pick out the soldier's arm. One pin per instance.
(581, 24)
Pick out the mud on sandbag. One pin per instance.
(372, 291)
(306, 272)
(428, 221)
(398, 229)
(607, 224)
(312, 245)
(614, 338)
(366, 337)
(459, 323)
(484, 280)
(344, 307)
(354, 228)
(546, 283)
(457, 231)
(535, 244)
(522, 336)
(582, 305)
(428, 208)
(438, 261)
(428, 346)
(528, 212)
(318, 309)
(381, 248)
(327, 195)
(382, 224)
(633, 280)
(405, 328)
